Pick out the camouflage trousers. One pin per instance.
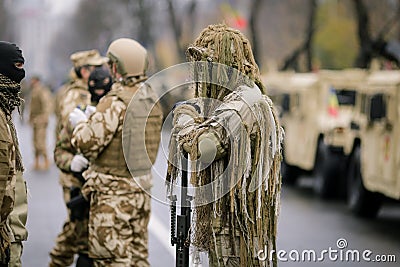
(118, 235)
(15, 254)
(39, 139)
(223, 254)
(72, 240)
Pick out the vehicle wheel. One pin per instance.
(360, 201)
(326, 172)
(289, 173)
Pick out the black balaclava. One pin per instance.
(9, 55)
(99, 79)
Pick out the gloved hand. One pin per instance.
(78, 205)
(209, 147)
(90, 110)
(79, 163)
(76, 116)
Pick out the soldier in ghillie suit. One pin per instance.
(11, 73)
(232, 134)
(40, 109)
(119, 205)
(73, 237)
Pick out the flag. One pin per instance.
(333, 103)
(233, 17)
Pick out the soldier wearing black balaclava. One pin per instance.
(72, 239)
(11, 73)
(100, 82)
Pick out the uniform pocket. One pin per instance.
(5, 158)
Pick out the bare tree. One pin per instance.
(254, 13)
(371, 47)
(176, 27)
(186, 17)
(144, 11)
(310, 34)
(292, 61)
(363, 31)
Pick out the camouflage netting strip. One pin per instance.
(219, 40)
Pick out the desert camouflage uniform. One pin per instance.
(119, 207)
(73, 238)
(7, 180)
(40, 108)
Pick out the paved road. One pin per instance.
(306, 224)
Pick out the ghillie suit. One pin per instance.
(236, 201)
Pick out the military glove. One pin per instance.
(78, 205)
(184, 119)
(209, 147)
(77, 116)
(89, 111)
(79, 163)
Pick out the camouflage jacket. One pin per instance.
(63, 155)
(7, 181)
(64, 152)
(57, 104)
(75, 95)
(19, 215)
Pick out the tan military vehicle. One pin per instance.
(315, 113)
(373, 169)
(338, 139)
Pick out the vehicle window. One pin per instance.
(285, 103)
(377, 107)
(346, 97)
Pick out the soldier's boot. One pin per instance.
(84, 261)
(37, 165)
(46, 164)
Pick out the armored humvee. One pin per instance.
(315, 111)
(373, 169)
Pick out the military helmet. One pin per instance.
(88, 58)
(129, 56)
